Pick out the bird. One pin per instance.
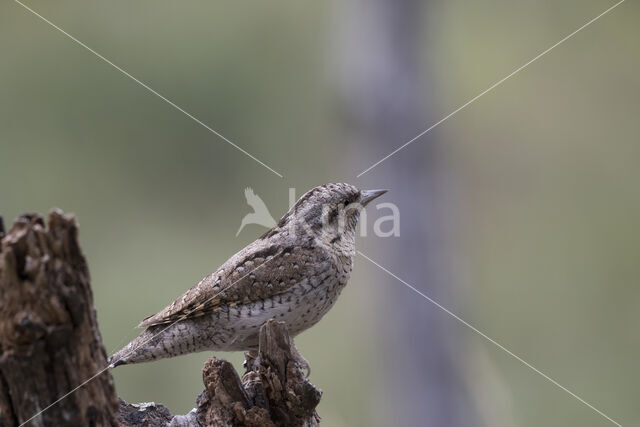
(260, 214)
(293, 273)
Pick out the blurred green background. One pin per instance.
(543, 174)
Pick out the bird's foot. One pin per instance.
(249, 359)
(300, 360)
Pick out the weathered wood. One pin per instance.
(274, 390)
(224, 401)
(151, 415)
(49, 338)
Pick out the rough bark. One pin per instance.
(49, 338)
(273, 392)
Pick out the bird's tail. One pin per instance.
(158, 342)
(137, 351)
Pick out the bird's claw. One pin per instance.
(249, 360)
(300, 360)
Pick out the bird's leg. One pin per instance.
(299, 358)
(249, 359)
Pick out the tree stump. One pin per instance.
(49, 338)
(274, 391)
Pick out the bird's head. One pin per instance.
(329, 214)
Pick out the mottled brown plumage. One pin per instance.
(294, 272)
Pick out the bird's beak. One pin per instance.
(367, 196)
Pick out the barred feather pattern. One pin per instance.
(286, 274)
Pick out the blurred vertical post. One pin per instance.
(381, 87)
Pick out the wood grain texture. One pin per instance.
(273, 392)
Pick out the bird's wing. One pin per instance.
(258, 274)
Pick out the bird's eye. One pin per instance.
(352, 199)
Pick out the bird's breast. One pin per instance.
(300, 307)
